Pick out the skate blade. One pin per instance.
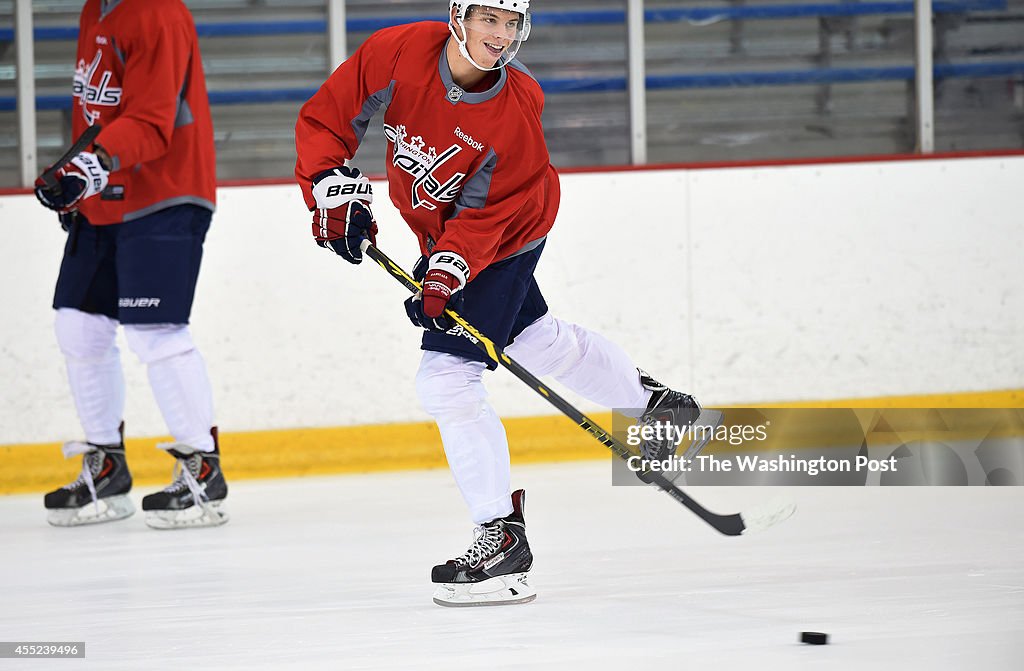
(212, 514)
(505, 590)
(111, 508)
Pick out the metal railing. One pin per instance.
(636, 82)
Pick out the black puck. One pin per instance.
(813, 637)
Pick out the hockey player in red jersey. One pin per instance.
(468, 169)
(137, 206)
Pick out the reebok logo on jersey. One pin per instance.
(468, 139)
(138, 302)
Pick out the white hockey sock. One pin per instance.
(585, 362)
(178, 378)
(451, 390)
(95, 377)
(182, 391)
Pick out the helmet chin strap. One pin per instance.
(505, 57)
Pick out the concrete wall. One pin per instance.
(740, 284)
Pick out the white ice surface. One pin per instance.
(332, 573)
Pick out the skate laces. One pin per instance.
(92, 460)
(185, 471)
(187, 467)
(652, 449)
(665, 405)
(486, 541)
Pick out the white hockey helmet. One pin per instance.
(461, 8)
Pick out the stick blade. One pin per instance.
(766, 515)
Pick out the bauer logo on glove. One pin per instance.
(342, 218)
(351, 190)
(445, 276)
(84, 177)
(338, 186)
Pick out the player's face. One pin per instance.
(489, 32)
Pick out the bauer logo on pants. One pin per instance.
(138, 302)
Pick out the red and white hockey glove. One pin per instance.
(342, 218)
(84, 177)
(446, 276)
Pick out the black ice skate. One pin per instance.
(681, 411)
(494, 569)
(100, 494)
(196, 497)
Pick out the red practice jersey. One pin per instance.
(139, 75)
(469, 172)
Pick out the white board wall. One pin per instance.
(740, 284)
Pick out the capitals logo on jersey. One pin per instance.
(409, 155)
(91, 91)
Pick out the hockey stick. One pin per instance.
(84, 140)
(730, 525)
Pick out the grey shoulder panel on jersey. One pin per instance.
(370, 107)
(117, 51)
(474, 191)
(183, 115)
(516, 65)
(107, 7)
